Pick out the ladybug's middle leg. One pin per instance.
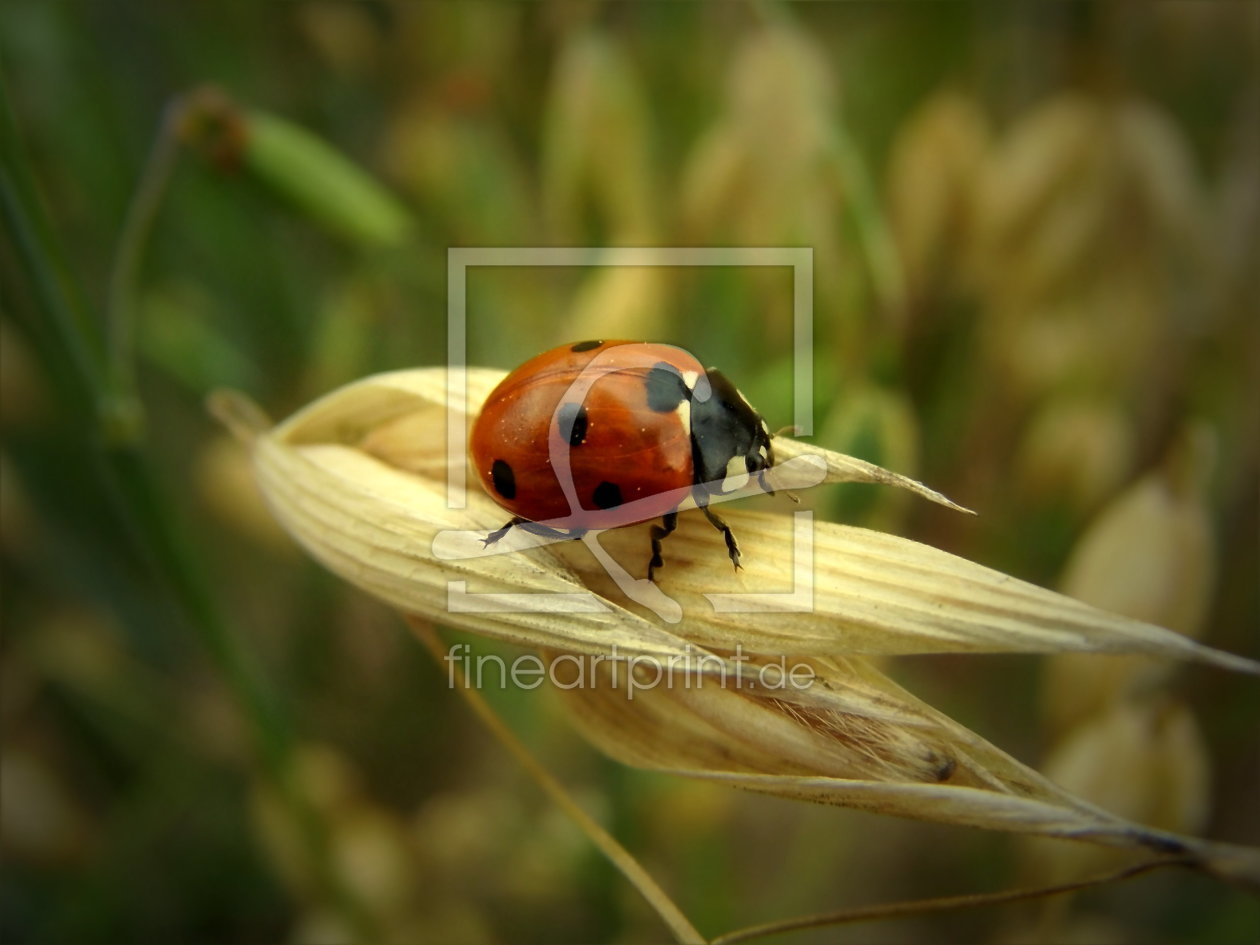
(669, 521)
(732, 546)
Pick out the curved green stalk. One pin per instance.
(96, 384)
(124, 417)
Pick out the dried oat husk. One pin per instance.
(934, 177)
(1150, 555)
(763, 163)
(1079, 179)
(1124, 739)
(1143, 759)
(1075, 451)
(596, 144)
(1089, 225)
(767, 171)
(360, 480)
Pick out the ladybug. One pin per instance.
(601, 434)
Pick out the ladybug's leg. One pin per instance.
(534, 528)
(500, 532)
(769, 490)
(546, 531)
(732, 546)
(669, 521)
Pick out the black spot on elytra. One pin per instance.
(571, 419)
(665, 388)
(504, 479)
(585, 346)
(607, 495)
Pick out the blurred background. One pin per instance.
(1035, 233)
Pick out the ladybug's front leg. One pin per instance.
(732, 546)
(669, 521)
(534, 528)
(500, 532)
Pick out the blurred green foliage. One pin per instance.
(1035, 231)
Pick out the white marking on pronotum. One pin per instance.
(684, 413)
(736, 475)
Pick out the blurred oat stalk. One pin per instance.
(1088, 245)
(1082, 233)
(935, 176)
(778, 167)
(596, 144)
(597, 161)
(1123, 737)
(359, 479)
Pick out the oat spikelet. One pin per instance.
(360, 479)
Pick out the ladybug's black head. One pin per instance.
(729, 440)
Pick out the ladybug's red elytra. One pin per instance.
(601, 434)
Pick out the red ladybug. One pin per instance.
(601, 434)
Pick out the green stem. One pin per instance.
(124, 411)
(99, 390)
(75, 362)
(621, 858)
(901, 910)
(76, 367)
